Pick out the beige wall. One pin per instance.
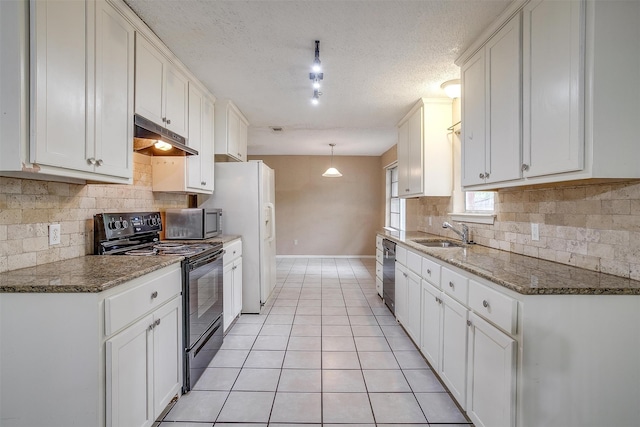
(27, 207)
(327, 216)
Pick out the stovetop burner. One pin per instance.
(142, 252)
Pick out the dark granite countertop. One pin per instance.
(520, 273)
(91, 273)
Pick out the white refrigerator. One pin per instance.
(246, 193)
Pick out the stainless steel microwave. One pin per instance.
(192, 224)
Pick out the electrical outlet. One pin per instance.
(54, 234)
(295, 242)
(535, 232)
(430, 221)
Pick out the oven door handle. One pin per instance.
(207, 260)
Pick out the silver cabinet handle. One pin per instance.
(486, 175)
(406, 189)
(164, 119)
(451, 285)
(168, 121)
(157, 322)
(203, 182)
(468, 322)
(151, 326)
(91, 161)
(481, 176)
(525, 167)
(154, 295)
(99, 162)
(485, 304)
(429, 272)
(405, 274)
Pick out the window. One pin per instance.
(479, 201)
(395, 205)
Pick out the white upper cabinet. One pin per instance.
(491, 143)
(567, 101)
(200, 167)
(162, 90)
(81, 91)
(113, 92)
(553, 81)
(231, 128)
(424, 150)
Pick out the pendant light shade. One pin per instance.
(332, 172)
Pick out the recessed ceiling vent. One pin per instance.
(277, 129)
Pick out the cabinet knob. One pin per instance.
(525, 167)
(406, 190)
(168, 121)
(99, 162)
(203, 183)
(481, 176)
(239, 155)
(451, 285)
(157, 322)
(91, 161)
(468, 322)
(164, 119)
(485, 303)
(151, 327)
(486, 175)
(429, 271)
(154, 295)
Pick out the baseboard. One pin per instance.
(324, 256)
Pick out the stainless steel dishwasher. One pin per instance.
(389, 274)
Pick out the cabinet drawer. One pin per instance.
(455, 285)
(494, 306)
(379, 242)
(414, 262)
(122, 309)
(379, 270)
(233, 251)
(379, 286)
(431, 272)
(379, 256)
(401, 255)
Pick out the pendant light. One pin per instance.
(332, 172)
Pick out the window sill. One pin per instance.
(477, 218)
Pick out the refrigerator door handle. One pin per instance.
(272, 218)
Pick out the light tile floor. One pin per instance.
(325, 351)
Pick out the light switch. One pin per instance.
(535, 232)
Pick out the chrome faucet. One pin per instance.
(464, 234)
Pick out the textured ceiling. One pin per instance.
(378, 58)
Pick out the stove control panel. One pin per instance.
(110, 226)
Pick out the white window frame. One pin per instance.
(401, 202)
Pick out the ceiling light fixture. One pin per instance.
(452, 88)
(316, 76)
(332, 172)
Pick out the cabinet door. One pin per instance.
(114, 93)
(59, 40)
(237, 287)
(206, 148)
(233, 133)
(413, 306)
(473, 120)
(167, 354)
(403, 160)
(194, 168)
(227, 295)
(402, 279)
(129, 359)
(454, 348)
(492, 374)
(243, 135)
(176, 102)
(431, 324)
(149, 81)
(553, 78)
(503, 161)
(416, 156)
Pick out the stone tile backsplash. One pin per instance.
(592, 226)
(27, 207)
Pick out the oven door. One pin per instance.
(202, 294)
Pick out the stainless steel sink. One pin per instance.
(438, 243)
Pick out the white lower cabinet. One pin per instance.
(232, 282)
(453, 367)
(491, 375)
(402, 279)
(431, 324)
(412, 324)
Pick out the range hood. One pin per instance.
(146, 134)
